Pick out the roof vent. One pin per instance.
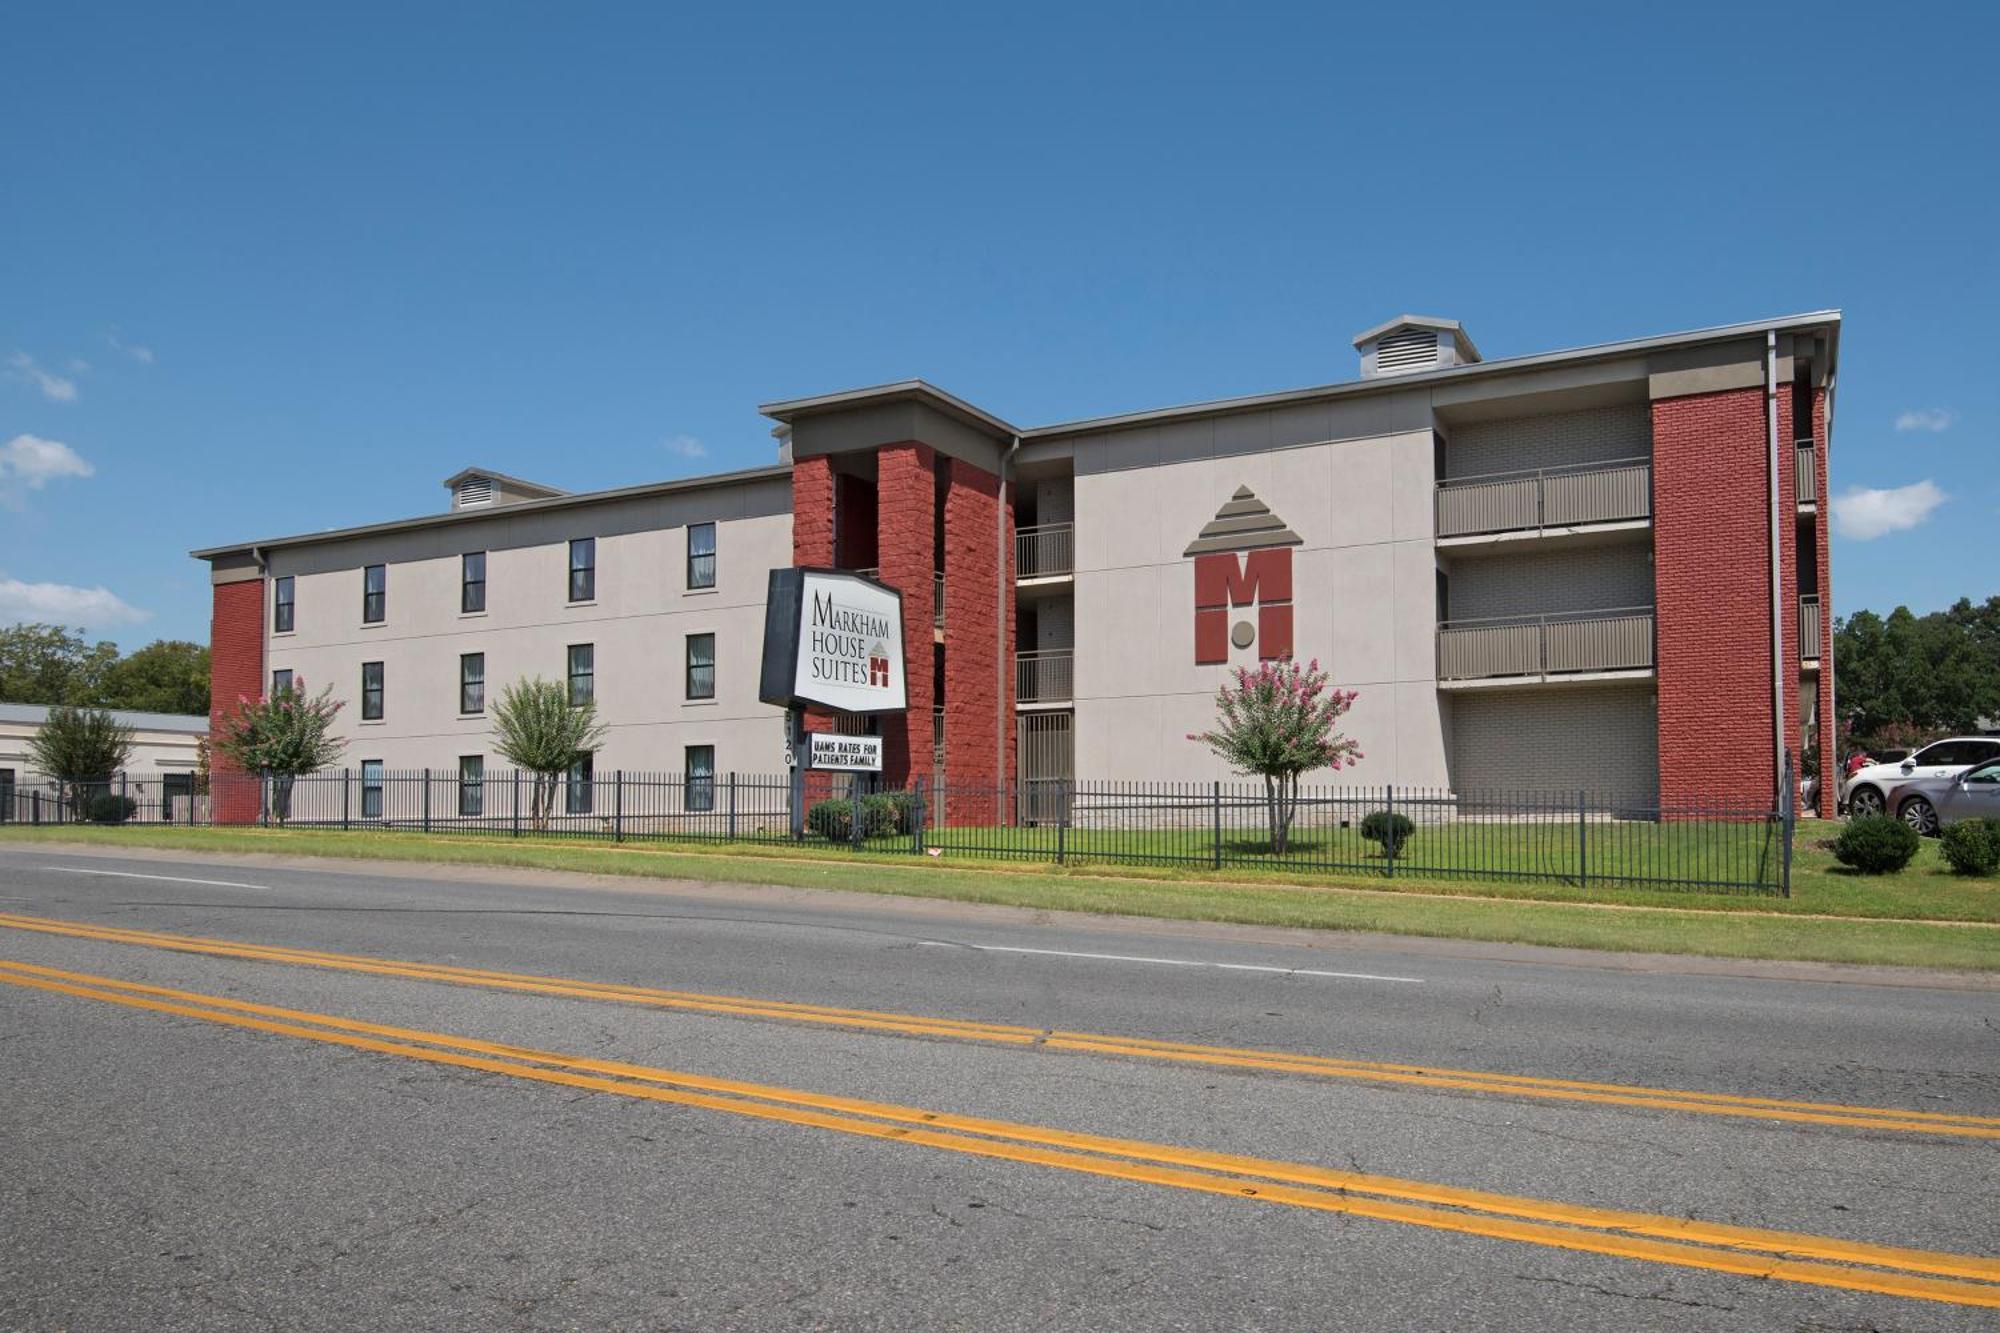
(1412, 343)
(473, 491)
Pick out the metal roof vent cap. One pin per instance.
(1411, 343)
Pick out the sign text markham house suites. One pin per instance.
(832, 640)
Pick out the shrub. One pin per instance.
(1876, 844)
(108, 807)
(881, 816)
(1972, 846)
(1390, 829)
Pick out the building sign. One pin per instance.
(847, 754)
(1243, 558)
(833, 640)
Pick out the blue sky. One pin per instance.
(269, 269)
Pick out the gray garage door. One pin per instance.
(1600, 739)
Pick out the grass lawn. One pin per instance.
(1923, 917)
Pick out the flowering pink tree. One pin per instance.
(1278, 722)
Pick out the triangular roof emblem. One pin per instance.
(1244, 523)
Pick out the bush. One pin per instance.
(108, 807)
(1972, 846)
(1876, 844)
(881, 816)
(1393, 831)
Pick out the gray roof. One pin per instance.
(36, 714)
(502, 511)
(1451, 326)
(921, 391)
(518, 483)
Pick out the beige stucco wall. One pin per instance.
(154, 752)
(638, 622)
(1356, 485)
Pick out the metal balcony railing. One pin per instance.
(1613, 639)
(1809, 627)
(1550, 497)
(1044, 677)
(1045, 550)
(1805, 475)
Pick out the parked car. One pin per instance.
(1928, 804)
(1867, 791)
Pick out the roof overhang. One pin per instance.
(791, 411)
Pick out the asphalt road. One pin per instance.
(173, 1164)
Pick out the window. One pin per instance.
(374, 594)
(472, 784)
(700, 774)
(701, 666)
(281, 680)
(1956, 752)
(1984, 774)
(577, 789)
(701, 555)
(472, 581)
(582, 673)
(583, 569)
(371, 691)
(371, 788)
(472, 682)
(282, 606)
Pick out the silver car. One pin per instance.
(1928, 804)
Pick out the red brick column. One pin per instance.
(812, 544)
(235, 673)
(1829, 725)
(1712, 594)
(906, 548)
(973, 652)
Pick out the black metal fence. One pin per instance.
(1580, 838)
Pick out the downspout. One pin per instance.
(1000, 702)
(1777, 570)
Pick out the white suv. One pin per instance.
(1866, 793)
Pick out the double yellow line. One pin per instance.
(1744, 1251)
(1461, 1080)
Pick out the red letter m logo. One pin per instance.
(1224, 579)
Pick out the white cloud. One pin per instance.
(143, 355)
(29, 462)
(1932, 419)
(1867, 514)
(62, 604)
(686, 446)
(52, 386)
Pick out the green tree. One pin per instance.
(47, 664)
(1275, 723)
(1908, 675)
(166, 676)
(282, 738)
(80, 748)
(537, 729)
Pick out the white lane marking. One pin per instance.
(1170, 962)
(169, 879)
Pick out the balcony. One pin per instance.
(1045, 551)
(1805, 476)
(1545, 501)
(1533, 649)
(1809, 628)
(1044, 677)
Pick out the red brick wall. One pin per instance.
(973, 660)
(812, 544)
(905, 541)
(235, 673)
(1712, 592)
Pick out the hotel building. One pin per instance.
(1603, 568)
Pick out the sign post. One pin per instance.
(795, 730)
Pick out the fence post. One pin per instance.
(1215, 825)
(1062, 834)
(344, 821)
(35, 806)
(1788, 815)
(264, 798)
(517, 803)
(854, 824)
(1389, 843)
(1582, 844)
(618, 804)
(427, 800)
(732, 805)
